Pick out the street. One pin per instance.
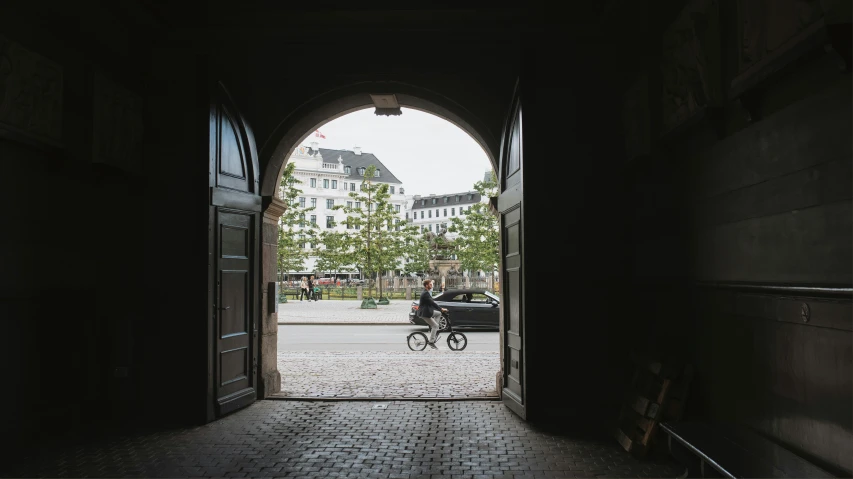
(360, 337)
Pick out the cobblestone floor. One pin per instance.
(424, 374)
(456, 439)
(342, 312)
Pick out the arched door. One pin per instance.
(512, 247)
(233, 264)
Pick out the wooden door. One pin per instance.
(233, 246)
(512, 247)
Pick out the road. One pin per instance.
(360, 337)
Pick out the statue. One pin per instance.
(440, 247)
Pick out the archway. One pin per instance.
(296, 128)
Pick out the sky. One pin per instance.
(428, 154)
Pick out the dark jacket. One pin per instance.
(427, 306)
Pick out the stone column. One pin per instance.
(360, 293)
(269, 381)
(409, 293)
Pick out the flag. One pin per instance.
(317, 133)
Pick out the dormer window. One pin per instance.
(458, 197)
(376, 173)
(470, 197)
(347, 169)
(361, 171)
(423, 202)
(433, 201)
(446, 199)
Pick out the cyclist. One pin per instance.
(430, 311)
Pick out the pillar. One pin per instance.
(269, 381)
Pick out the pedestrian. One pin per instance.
(303, 286)
(430, 312)
(317, 293)
(310, 288)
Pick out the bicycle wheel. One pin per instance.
(457, 341)
(417, 341)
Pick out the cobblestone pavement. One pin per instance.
(424, 374)
(455, 439)
(342, 311)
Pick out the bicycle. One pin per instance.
(418, 341)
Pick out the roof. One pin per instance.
(450, 202)
(349, 158)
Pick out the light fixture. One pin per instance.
(386, 105)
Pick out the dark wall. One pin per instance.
(99, 308)
(765, 201)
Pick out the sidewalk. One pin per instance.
(342, 312)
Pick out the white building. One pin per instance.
(433, 212)
(328, 176)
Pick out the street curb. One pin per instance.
(384, 399)
(346, 324)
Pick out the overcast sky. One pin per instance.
(428, 154)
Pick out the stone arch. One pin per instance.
(301, 122)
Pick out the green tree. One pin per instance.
(476, 245)
(416, 252)
(374, 241)
(292, 225)
(335, 255)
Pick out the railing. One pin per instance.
(331, 166)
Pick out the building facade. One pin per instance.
(328, 177)
(434, 212)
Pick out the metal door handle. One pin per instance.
(227, 307)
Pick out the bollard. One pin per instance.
(359, 294)
(409, 293)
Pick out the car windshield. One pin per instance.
(491, 295)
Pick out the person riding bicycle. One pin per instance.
(430, 311)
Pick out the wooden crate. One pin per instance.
(657, 393)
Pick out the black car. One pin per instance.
(469, 309)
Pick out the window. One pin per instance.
(330, 204)
(436, 212)
(470, 196)
(349, 204)
(352, 186)
(358, 226)
(314, 220)
(358, 204)
(302, 241)
(422, 215)
(334, 184)
(430, 227)
(376, 173)
(360, 171)
(458, 198)
(363, 187)
(397, 224)
(423, 202)
(301, 202)
(452, 211)
(325, 183)
(434, 201)
(407, 215)
(313, 202)
(347, 169)
(396, 208)
(302, 222)
(446, 199)
(445, 212)
(313, 182)
(430, 213)
(349, 224)
(391, 189)
(330, 221)
(444, 225)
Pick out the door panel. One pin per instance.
(514, 392)
(234, 266)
